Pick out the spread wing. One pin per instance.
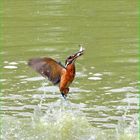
(47, 67)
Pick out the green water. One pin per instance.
(103, 99)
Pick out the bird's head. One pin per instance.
(71, 59)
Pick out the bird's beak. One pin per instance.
(73, 57)
(79, 53)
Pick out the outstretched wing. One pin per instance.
(47, 67)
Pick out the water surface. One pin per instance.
(104, 94)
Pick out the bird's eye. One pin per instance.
(69, 57)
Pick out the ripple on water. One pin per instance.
(95, 78)
(80, 74)
(10, 67)
(53, 89)
(123, 89)
(34, 79)
(45, 96)
(13, 63)
(43, 49)
(98, 74)
(2, 80)
(131, 100)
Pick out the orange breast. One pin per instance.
(67, 76)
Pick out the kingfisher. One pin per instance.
(56, 72)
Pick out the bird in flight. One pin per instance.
(55, 71)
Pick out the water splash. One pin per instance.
(57, 122)
(62, 124)
(61, 120)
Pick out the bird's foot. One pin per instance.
(64, 96)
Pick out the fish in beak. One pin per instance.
(72, 58)
(79, 53)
